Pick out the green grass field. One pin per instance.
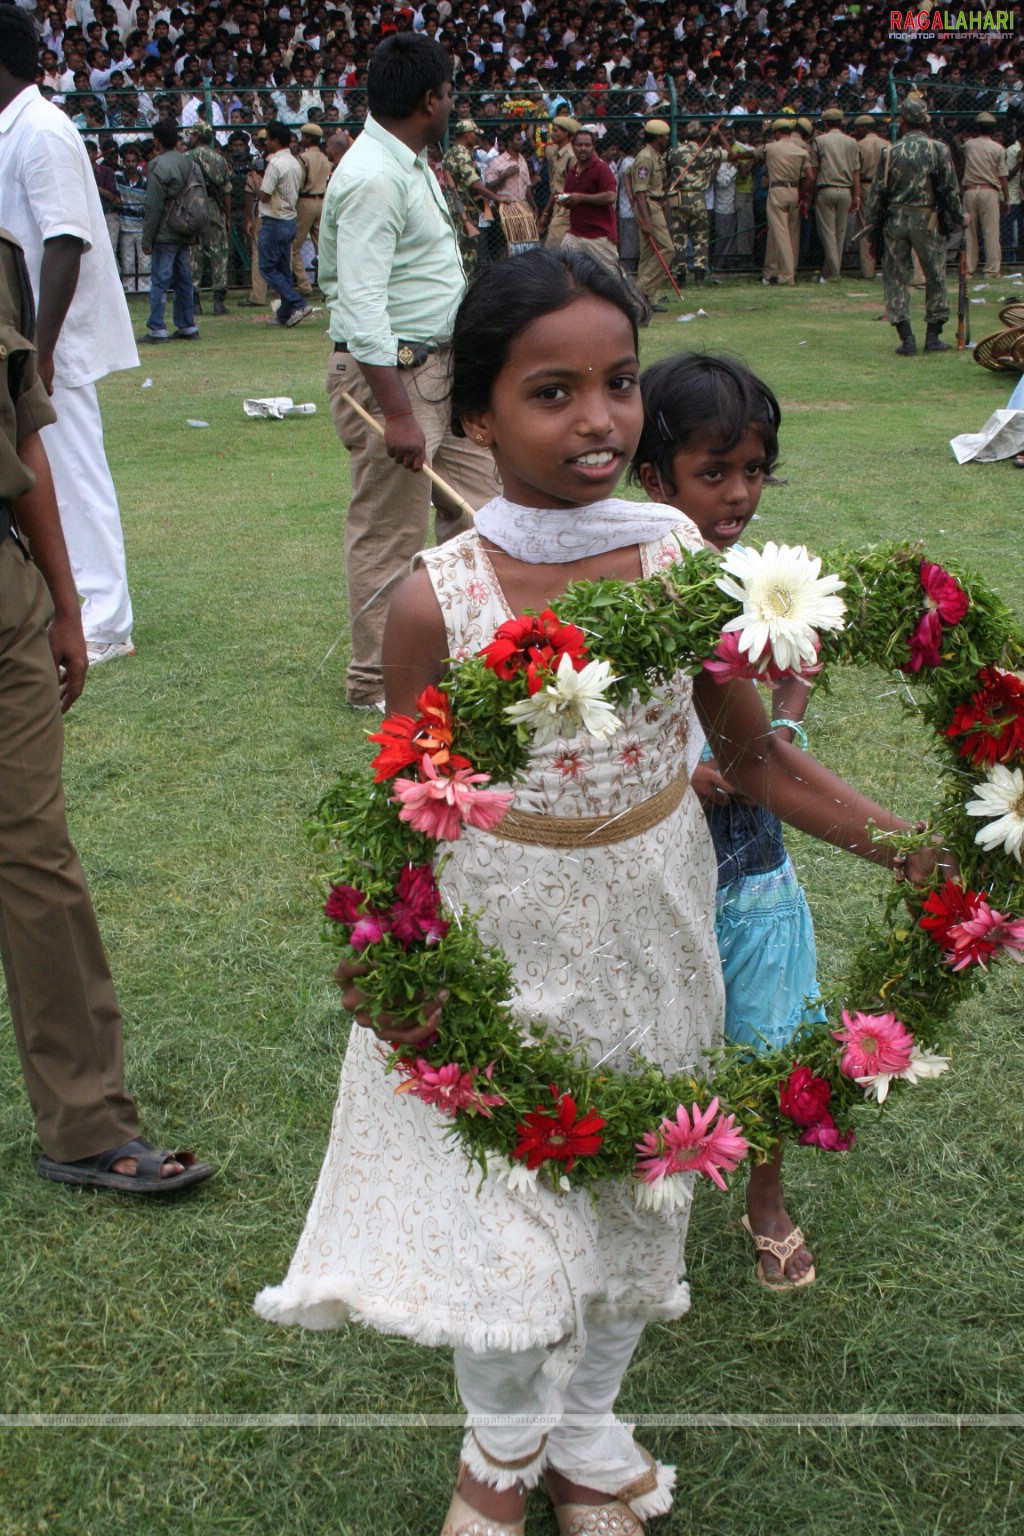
(190, 770)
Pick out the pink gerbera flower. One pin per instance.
(448, 1087)
(439, 805)
(986, 933)
(875, 1042)
(708, 1143)
(827, 1135)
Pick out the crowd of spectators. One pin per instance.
(117, 68)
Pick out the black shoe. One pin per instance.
(197, 305)
(908, 346)
(184, 335)
(248, 303)
(219, 307)
(659, 309)
(149, 340)
(933, 342)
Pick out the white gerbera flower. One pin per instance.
(667, 1194)
(785, 602)
(520, 1179)
(574, 701)
(1001, 796)
(924, 1064)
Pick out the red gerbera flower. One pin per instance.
(535, 644)
(558, 1138)
(405, 741)
(943, 593)
(992, 724)
(968, 929)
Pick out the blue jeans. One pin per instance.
(169, 268)
(276, 236)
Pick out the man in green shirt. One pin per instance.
(387, 228)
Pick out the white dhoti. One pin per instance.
(89, 513)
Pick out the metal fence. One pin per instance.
(616, 117)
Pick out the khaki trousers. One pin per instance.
(600, 250)
(982, 203)
(651, 273)
(388, 516)
(783, 234)
(831, 214)
(307, 227)
(258, 287)
(67, 1023)
(558, 227)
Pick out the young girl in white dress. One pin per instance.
(543, 1295)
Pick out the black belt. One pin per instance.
(317, 197)
(411, 354)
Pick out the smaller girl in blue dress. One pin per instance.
(709, 443)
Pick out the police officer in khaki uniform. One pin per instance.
(67, 1023)
(316, 173)
(553, 224)
(649, 189)
(869, 146)
(788, 163)
(835, 169)
(986, 191)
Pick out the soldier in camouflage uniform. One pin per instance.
(460, 163)
(915, 190)
(214, 245)
(691, 170)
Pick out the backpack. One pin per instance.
(185, 214)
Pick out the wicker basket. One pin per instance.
(519, 227)
(997, 352)
(1013, 314)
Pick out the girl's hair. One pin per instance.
(504, 300)
(693, 395)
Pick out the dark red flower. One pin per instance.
(803, 1098)
(925, 643)
(405, 741)
(343, 904)
(827, 1135)
(415, 914)
(944, 594)
(992, 724)
(535, 644)
(558, 1138)
(947, 907)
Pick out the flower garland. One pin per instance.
(522, 1103)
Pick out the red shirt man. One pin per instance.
(590, 193)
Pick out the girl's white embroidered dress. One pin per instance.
(614, 947)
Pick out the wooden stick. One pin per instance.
(702, 145)
(655, 248)
(442, 485)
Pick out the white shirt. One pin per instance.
(47, 188)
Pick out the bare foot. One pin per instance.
(564, 1491)
(768, 1217)
(507, 1506)
(129, 1166)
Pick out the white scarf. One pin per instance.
(556, 535)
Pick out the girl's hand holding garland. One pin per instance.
(521, 1103)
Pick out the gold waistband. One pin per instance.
(592, 831)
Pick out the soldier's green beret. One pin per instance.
(914, 114)
(202, 131)
(693, 131)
